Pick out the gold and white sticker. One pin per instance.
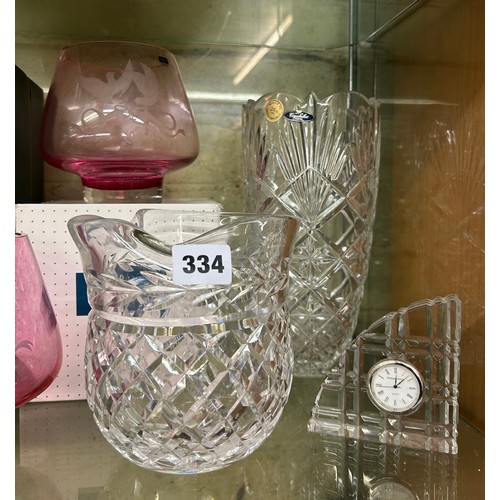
(274, 110)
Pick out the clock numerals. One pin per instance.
(395, 386)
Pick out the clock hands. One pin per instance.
(396, 383)
(393, 386)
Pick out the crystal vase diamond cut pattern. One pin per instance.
(426, 335)
(186, 378)
(317, 160)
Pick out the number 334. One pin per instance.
(202, 264)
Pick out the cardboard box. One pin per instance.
(60, 264)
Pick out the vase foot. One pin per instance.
(146, 195)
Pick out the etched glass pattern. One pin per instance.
(317, 161)
(185, 379)
(427, 335)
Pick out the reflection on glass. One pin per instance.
(35, 485)
(239, 481)
(292, 464)
(363, 470)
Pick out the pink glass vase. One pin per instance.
(38, 341)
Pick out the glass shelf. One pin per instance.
(221, 39)
(227, 51)
(62, 453)
(282, 23)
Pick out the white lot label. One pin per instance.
(201, 264)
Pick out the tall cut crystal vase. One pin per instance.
(318, 161)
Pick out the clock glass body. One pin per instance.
(395, 386)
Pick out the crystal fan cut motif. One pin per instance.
(186, 378)
(317, 160)
(425, 334)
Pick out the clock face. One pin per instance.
(395, 386)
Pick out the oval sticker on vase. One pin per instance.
(299, 116)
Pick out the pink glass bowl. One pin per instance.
(117, 115)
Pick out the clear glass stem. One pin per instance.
(147, 195)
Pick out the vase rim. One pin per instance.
(235, 215)
(312, 96)
(137, 223)
(192, 214)
(113, 42)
